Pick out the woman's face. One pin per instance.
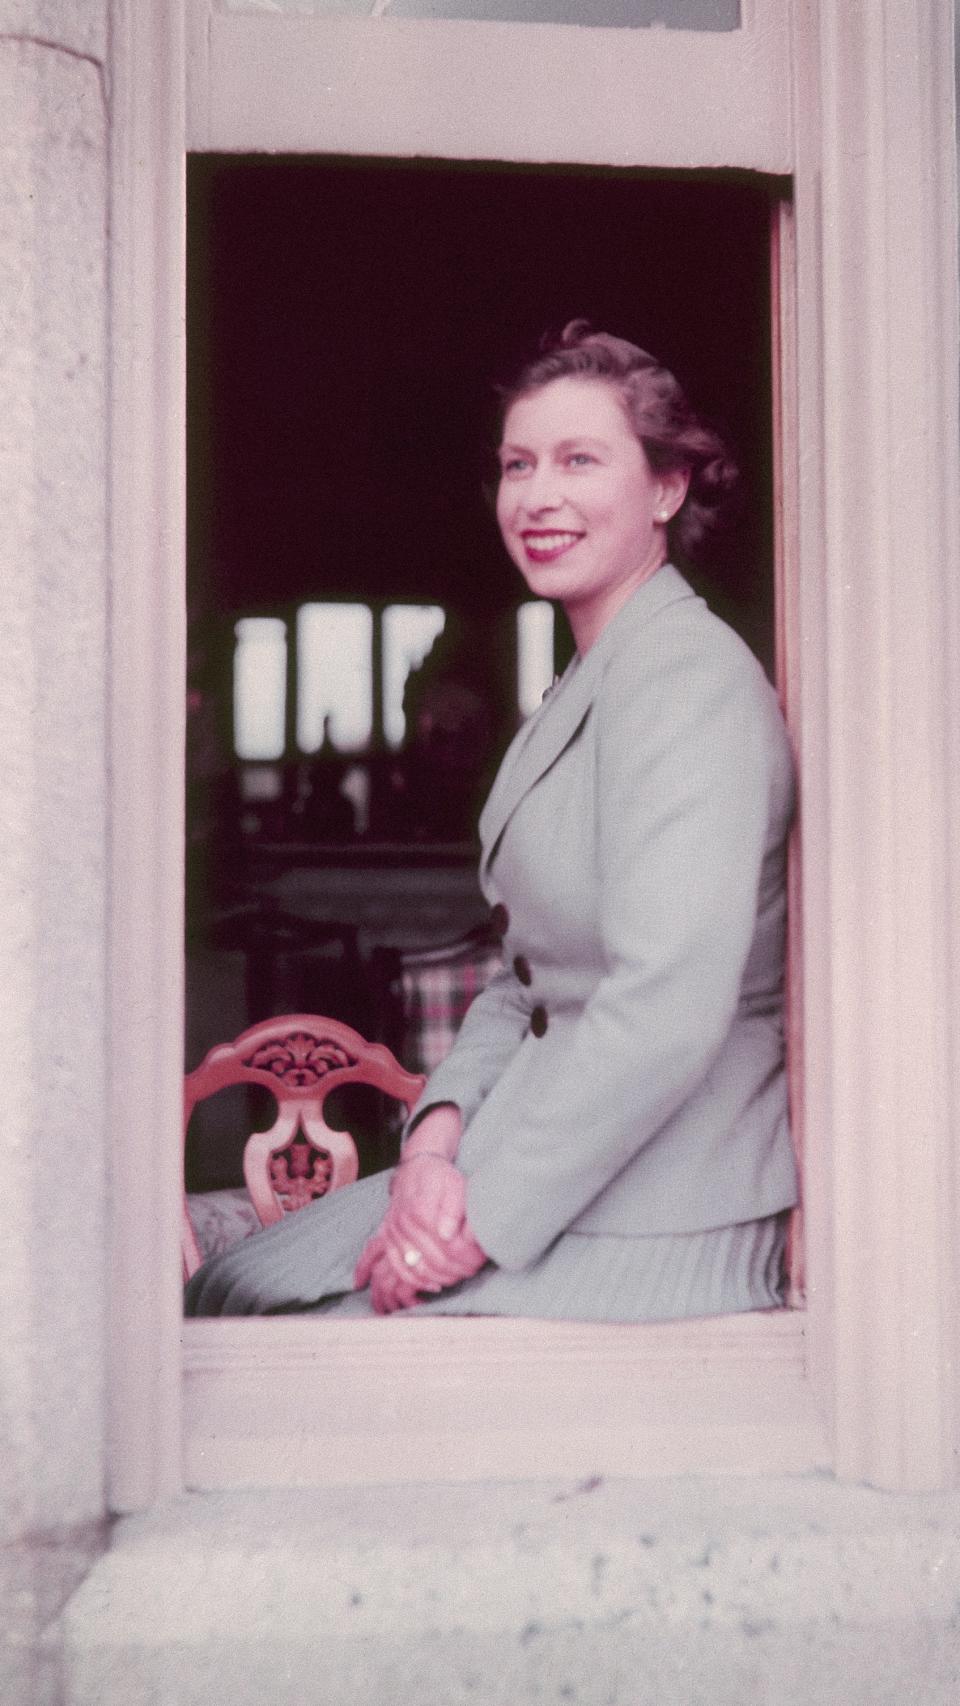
(581, 512)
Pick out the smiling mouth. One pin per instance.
(547, 547)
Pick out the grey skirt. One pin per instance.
(306, 1263)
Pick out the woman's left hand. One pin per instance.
(392, 1289)
(428, 1194)
(441, 1258)
(388, 1291)
(427, 1204)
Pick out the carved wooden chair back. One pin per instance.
(300, 1058)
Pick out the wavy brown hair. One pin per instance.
(672, 435)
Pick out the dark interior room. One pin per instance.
(348, 321)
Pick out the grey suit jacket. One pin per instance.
(636, 834)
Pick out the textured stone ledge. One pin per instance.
(611, 1594)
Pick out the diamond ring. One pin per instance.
(413, 1258)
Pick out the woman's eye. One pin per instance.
(580, 458)
(514, 465)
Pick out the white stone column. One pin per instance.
(53, 599)
(146, 738)
(880, 676)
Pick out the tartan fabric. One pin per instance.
(435, 1001)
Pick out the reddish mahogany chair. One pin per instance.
(300, 1058)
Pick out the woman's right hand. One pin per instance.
(420, 1205)
(396, 1283)
(426, 1212)
(426, 1217)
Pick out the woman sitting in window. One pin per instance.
(607, 1139)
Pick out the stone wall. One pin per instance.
(54, 183)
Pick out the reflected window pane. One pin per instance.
(334, 676)
(305, 8)
(260, 687)
(623, 14)
(409, 631)
(534, 653)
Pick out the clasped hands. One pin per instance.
(423, 1243)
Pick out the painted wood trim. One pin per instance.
(462, 90)
(880, 666)
(197, 23)
(301, 1402)
(786, 575)
(145, 1055)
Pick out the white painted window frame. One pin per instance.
(855, 97)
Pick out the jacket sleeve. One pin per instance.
(685, 751)
(488, 1038)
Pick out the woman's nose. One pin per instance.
(542, 491)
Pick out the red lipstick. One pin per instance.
(546, 544)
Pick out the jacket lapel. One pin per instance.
(540, 741)
(550, 729)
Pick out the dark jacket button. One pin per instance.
(521, 966)
(499, 919)
(538, 1021)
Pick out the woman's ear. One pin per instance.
(673, 489)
